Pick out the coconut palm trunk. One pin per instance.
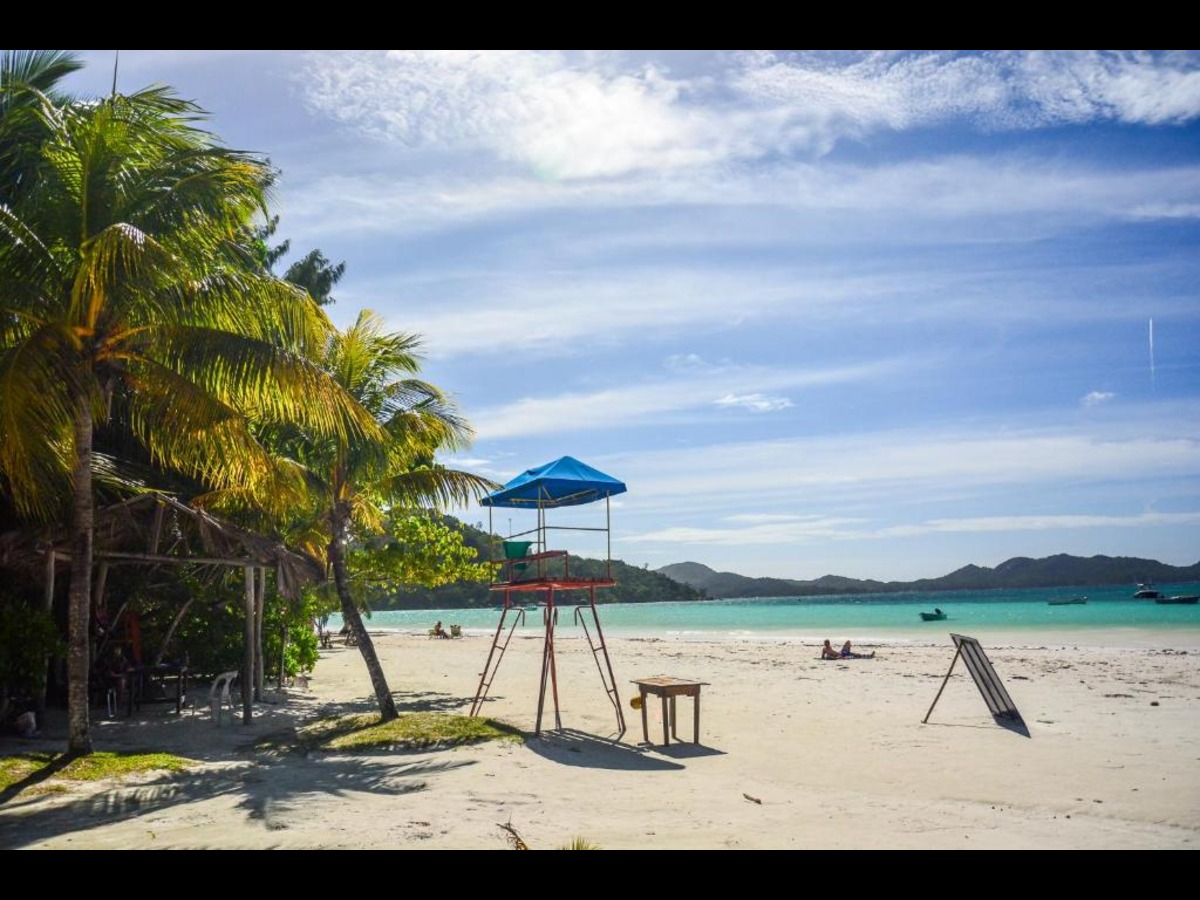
(79, 663)
(352, 617)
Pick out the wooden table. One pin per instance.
(668, 688)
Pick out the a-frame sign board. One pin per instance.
(999, 703)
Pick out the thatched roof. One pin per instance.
(155, 529)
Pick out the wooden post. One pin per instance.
(957, 654)
(98, 603)
(260, 604)
(40, 702)
(248, 650)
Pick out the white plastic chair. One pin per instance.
(219, 696)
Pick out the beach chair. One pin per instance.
(220, 696)
(516, 550)
(455, 631)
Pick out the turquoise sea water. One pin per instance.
(1110, 617)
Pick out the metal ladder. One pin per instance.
(492, 666)
(599, 649)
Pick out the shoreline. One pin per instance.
(1098, 638)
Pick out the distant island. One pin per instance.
(1060, 570)
(690, 581)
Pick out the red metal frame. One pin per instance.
(543, 582)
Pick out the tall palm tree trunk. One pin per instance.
(79, 662)
(352, 617)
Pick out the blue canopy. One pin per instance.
(564, 482)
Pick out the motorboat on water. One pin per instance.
(1068, 601)
(1183, 599)
(1147, 592)
(936, 616)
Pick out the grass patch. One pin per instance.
(413, 731)
(50, 770)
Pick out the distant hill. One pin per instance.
(1019, 572)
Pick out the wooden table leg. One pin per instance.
(674, 719)
(666, 716)
(645, 727)
(696, 717)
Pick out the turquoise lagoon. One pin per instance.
(1111, 617)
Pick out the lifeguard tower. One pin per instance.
(528, 568)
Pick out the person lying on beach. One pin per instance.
(827, 652)
(848, 653)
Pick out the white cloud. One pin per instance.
(836, 95)
(692, 362)
(821, 528)
(842, 203)
(567, 115)
(1038, 523)
(629, 405)
(758, 403)
(1098, 398)
(753, 535)
(761, 518)
(467, 462)
(884, 472)
(557, 113)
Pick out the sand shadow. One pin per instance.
(681, 750)
(575, 748)
(1015, 724)
(267, 788)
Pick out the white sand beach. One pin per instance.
(794, 753)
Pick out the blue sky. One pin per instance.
(872, 313)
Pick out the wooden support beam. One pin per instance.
(248, 650)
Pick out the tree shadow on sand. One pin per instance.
(270, 772)
(268, 788)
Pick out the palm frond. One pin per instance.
(37, 419)
(436, 486)
(261, 380)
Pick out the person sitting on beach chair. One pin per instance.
(438, 631)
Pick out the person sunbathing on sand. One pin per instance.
(847, 653)
(827, 652)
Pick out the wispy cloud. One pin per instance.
(898, 469)
(1098, 398)
(570, 115)
(855, 201)
(1039, 523)
(856, 93)
(632, 404)
(757, 403)
(822, 528)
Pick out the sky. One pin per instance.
(879, 314)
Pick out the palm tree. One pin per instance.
(123, 272)
(27, 79)
(357, 479)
